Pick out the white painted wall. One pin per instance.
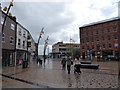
(21, 37)
(32, 48)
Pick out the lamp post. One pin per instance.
(40, 36)
(5, 9)
(45, 46)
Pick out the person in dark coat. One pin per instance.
(63, 62)
(69, 65)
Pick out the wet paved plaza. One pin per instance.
(51, 75)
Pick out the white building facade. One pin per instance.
(21, 43)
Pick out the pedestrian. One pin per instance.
(39, 61)
(69, 65)
(63, 62)
(77, 65)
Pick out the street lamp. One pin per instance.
(45, 46)
(5, 9)
(40, 36)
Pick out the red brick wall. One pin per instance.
(88, 29)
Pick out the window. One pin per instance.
(12, 26)
(87, 47)
(82, 40)
(19, 42)
(115, 37)
(92, 39)
(20, 31)
(114, 29)
(82, 47)
(110, 45)
(82, 34)
(91, 33)
(97, 39)
(109, 38)
(96, 31)
(87, 39)
(98, 47)
(103, 38)
(102, 31)
(2, 20)
(24, 33)
(86, 34)
(108, 30)
(108, 26)
(23, 43)
(114, 24)
(102, 26)
(11, 40)
(3, 37)
(103, 46)
(92, 46)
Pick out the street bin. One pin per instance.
(23, 65)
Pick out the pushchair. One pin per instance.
(77, 69)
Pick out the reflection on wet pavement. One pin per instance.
(52, 75)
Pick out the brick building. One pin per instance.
(8, 40)
(100, 39)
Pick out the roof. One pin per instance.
(103, 21)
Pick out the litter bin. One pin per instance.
(26, 64)
(23, 65)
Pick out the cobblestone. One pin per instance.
(52, 75)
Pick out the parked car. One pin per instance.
(111, 57)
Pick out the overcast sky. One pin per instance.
(61, 19)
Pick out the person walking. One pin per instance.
(63, 62)
(69, 65)
(77, 65)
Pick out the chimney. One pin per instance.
(14, 18)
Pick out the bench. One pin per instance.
(85, 62)
(89, 66)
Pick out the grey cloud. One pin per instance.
(34, 16)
